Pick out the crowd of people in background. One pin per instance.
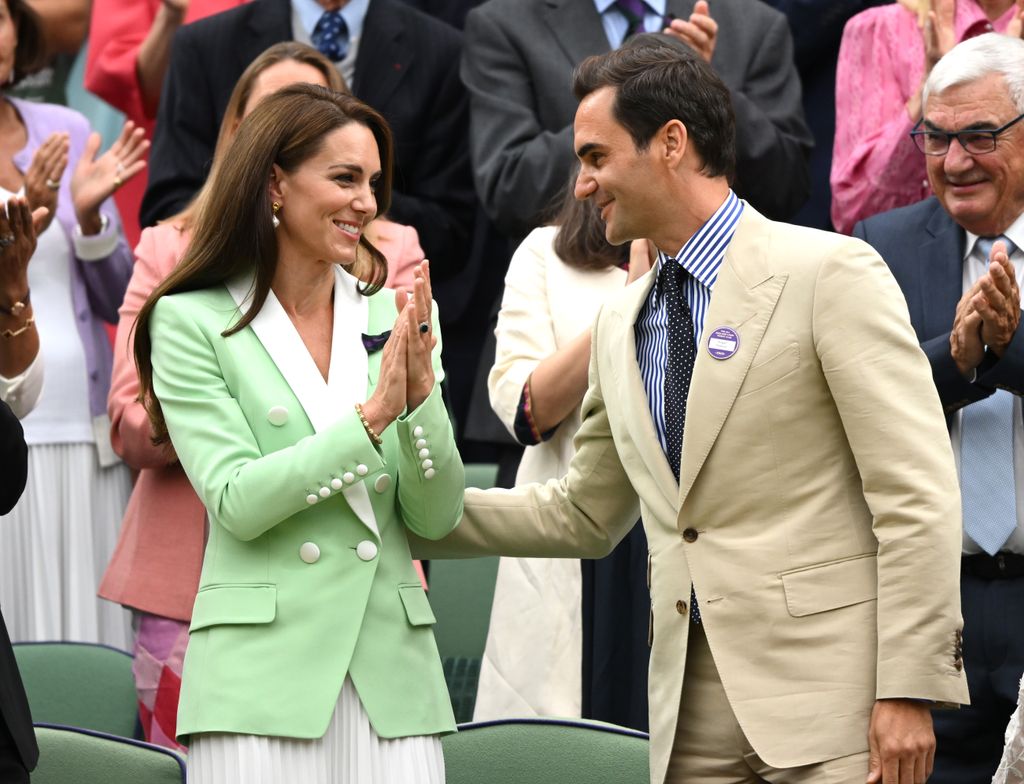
(127, 163)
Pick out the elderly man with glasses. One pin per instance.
(957, 256)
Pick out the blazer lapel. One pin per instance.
(641, 426)
(382, 54)
(578, 29)
(940, 272)
(744, 299)
(323, 402)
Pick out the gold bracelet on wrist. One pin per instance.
(13, 333)
(366, 426)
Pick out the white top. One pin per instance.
(61, 415)
(976, 265)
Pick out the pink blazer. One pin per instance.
(155, 566)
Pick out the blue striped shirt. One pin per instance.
(701, 256)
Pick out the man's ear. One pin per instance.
(276, 186)
(675, 141)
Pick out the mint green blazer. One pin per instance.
(307, 575)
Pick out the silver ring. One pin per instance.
(119, 170)
(424, 328)
(7, 240)
(53, 185)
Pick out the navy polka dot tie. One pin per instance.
(682, 352)
(330, 36)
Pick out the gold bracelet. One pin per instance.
(366, 426)
(13, 333)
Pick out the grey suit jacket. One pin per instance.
(518, 58)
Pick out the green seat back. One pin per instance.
(72, 756)
(546, 751)
(79, 685)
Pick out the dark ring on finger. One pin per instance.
(424, 328)
(6, 240)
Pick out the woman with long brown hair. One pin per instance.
(155, 568)
(316, 438)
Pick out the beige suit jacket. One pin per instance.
(817, 476)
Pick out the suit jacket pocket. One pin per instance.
(417, 606)
(829, 586)
(772, 369)
(234, 603)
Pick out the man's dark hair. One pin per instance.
(658, 79)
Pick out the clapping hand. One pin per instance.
(1016, 26)
(95, 179)
(417, 312)
(642, 255)
(700, 33)
(998, 301)
(17, 244)
(988, 314)
(939, 33)
(388, 400)
(42, 179)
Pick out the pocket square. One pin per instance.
(374, 343)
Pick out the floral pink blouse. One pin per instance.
(875, 165)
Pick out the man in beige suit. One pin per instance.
(815, 518)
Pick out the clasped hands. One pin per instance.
(406, 367)
(987, 315)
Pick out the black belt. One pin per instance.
(1001, 566)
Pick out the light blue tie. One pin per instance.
(986, 461)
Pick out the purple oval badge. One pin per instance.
(723, 343)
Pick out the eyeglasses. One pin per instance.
(973, 141)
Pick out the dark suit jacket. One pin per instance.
(407, 69)
(14, 711)
(924, 248)
(518, 62)
(817, 28)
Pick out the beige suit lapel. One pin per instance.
(744, 298)
(640, 425)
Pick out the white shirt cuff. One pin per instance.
(22, 392)
(95, 246)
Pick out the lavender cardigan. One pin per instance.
(99, 280)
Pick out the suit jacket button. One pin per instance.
(681, 607)
(312, 498)
(382, 483)
(417, 431)
(349, 477)
(429, 473)
(337, 484)
(366, 550)
(277, 416)
(362, 470)
(309, 552)
(690, 535)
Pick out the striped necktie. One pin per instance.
(986, 460)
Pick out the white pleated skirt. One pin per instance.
(350, 752)
(55, 545)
